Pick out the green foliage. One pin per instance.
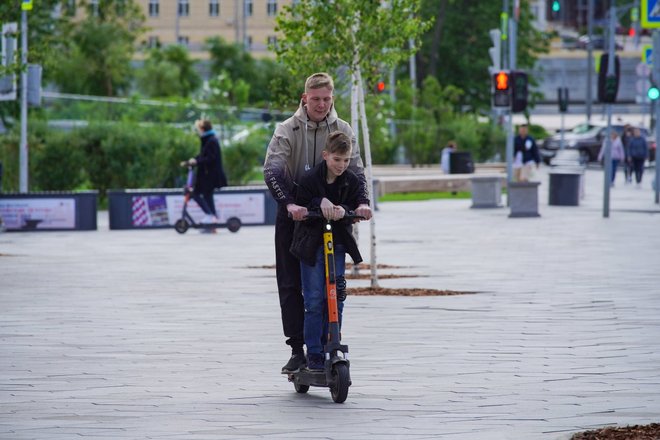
(456, 50)
(244, 159)
(109, 155)
(242, 79)
(421, 196)
(323, 36)
(168, 72)
(96, 52)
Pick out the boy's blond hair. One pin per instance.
(338, 143)
(318, 81)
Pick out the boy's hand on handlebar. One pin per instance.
(296, 212)
(363, 211)
(189, 163)
(331, 211)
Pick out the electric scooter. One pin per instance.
(336, 374)
(186, 221)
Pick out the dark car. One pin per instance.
(585, 138)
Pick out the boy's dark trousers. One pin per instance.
(288, 282)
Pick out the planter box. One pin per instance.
(161, 208)
(524, 199)
(486, 192)
(49, 211)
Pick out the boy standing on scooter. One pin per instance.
(333, 189)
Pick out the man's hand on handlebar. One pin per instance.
(363, 211)
(189, 163)
(296, 212)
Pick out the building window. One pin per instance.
(154, 8)
(183, 40)
(248, 8)
(94, 7)
(153, 42)
(271, 8)
(184, 8)
(272, 41)
(248, 42)
(214, 8)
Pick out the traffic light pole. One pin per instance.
(656, 74)
(23, 148)
(607, 157)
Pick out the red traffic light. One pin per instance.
(380, 86)
(502, 81)
(631, 32)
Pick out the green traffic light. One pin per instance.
(653, 93)
(555, 6)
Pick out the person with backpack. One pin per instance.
(639, 151)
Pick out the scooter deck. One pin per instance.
(315, 378)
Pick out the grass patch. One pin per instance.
(419, 196)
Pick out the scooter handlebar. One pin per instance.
(348, 215)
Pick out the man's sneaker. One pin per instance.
(315, 361)
(294, 365)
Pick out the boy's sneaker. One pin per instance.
(315, 362)
(294, 365)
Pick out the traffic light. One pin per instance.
(608, 82)
(562, 99)
(380, 86)
(653, 93)
(556, 6)
(501, 89)
(519, 91)
(495, 52)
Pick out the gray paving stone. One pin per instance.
(151, 334)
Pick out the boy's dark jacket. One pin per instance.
(308, 234)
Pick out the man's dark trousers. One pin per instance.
(288, 282)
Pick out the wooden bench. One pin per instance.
(398, 179)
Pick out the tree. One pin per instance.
(456, 51)
(168, 72)
(44, 33)
(364, 36)
(95, 58)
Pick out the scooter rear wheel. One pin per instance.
(300, 388)
(342, 381)
(233, 224)
(181, 226)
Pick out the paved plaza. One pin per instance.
(155, 335)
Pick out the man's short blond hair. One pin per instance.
(318, 81)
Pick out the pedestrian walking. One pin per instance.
(626, 137)
(525, 154)
(617, 154)
(445, 157)
(295, 148)
(639, 151)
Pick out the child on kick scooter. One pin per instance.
(334, 190)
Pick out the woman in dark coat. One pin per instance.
(210, 174)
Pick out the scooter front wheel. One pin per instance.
(181, 226)
(300, 388)
(342, 380)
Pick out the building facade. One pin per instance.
(192, 22)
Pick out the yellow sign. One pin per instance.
(26, 5)
(650, 14)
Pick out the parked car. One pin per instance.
(597, 42)
(587, 139)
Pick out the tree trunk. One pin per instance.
(369, 175)
(437, 34)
